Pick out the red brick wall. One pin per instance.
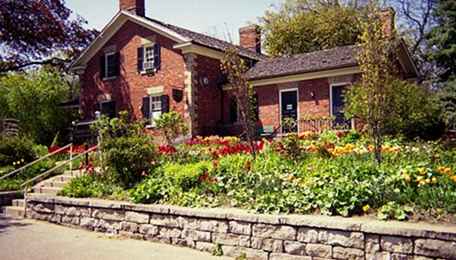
(129, 88)
(208, 96)
(250, 38)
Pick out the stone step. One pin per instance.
(51, 184)
(19, 203)
(14, 212)
(46, 190)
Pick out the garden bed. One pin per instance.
(236, 233)
(330, 174)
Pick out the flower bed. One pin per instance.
(331, 174)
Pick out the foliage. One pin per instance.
(392, 210)
(15, 182)
(304, 26)
(376, 67)
(89, 186)
(34, 99)
(235, 68)
(40, 32)
(408, 109)
(442, 38)
(16, 151)
(171, 125)
(128, 153)
(447, 102)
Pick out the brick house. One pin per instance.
(149, 67)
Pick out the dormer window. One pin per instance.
(149, 58)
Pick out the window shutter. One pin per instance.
(165, 104)
(157, 56)
(117, 64)
(140, 59)
(102, 66)
(256, 107)
(146, 107)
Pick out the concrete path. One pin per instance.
(28, 239)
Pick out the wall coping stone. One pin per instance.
(367, 225)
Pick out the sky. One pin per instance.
(219, 18)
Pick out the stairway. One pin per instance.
(50, 186)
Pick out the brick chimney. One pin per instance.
(137, 7)
(250, 38)
(388, 17)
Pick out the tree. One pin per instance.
(448, 103)
(33, 98)
(372, 96)
(300, 26)
(442, 38)
(416, 19)
(35, 32)
(235, 68)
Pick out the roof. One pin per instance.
(335, 58)
(211, 42)
(178, 34)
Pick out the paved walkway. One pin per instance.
(28, 239)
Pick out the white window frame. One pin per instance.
(338, 84)
(159, 112)
(106, 57)
(280, 106)
(145, 47)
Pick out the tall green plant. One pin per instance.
(235, 68)
(33, 98)
(372, 100)
(171, 125)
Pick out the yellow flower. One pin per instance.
(407, 177)
(434, 180)
(366, 208)
(428, 181)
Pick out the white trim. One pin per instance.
(280, 106)
(106, 55)
(189, 47)
(306, 76)
(338, 84)
(113, 27)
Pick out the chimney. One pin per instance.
(136, 7)
(388, 18)
(250, 38)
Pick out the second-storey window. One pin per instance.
(110, 64)
(149, 58)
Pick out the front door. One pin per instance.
(289, 111)
(338, 106)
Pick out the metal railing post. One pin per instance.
(71, 158)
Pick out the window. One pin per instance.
(153, 107)
(148, 58)
(110, 64)
(233, 110)
(108, 108)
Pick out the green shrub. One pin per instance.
(148, 191)
(129, 158)
(16, 149)
(171, 125)
(88, 186)
(187, 176)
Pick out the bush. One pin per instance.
(89, 186)
(129, 158)
(171, 125)
(149, 191)
(17, 150)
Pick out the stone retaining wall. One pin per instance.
(236, 232)
(6, 197)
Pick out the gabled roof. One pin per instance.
(178, 34)
(339, 57)
(330, 59)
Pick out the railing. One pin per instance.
(48, 172)
(322, 124)
(38, 160)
